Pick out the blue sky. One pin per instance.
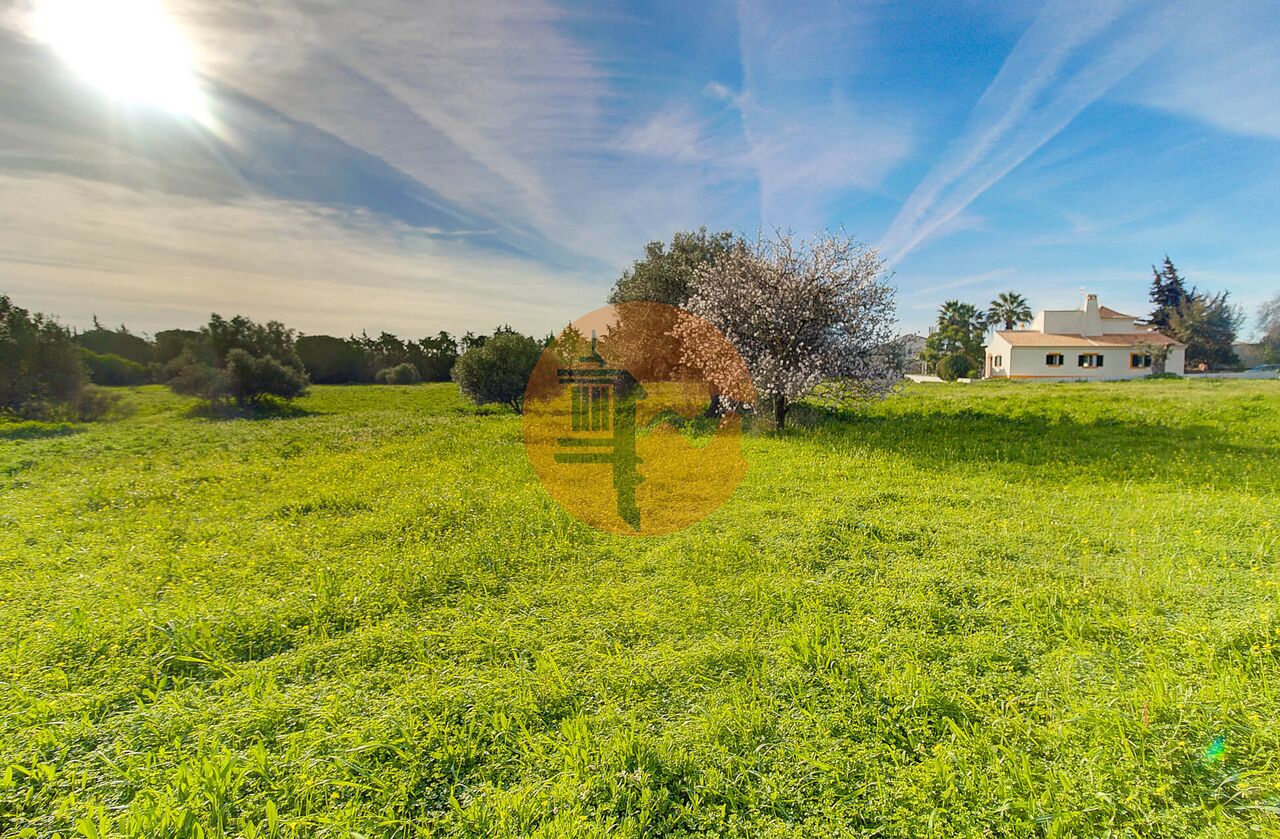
(384, 166)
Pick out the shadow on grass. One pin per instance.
(1123, 447)
(261, 410)
(30, 430)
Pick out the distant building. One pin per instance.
(1092, 342)
(909, 347)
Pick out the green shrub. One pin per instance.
(40, 365)
(401, 374)
(498, 370)
(93, 404)
(250, 360)
(251, 377)
(188, 377)
(111, 370)
(954, 366)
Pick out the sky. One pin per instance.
(409, 167)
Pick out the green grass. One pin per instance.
(1013, 610)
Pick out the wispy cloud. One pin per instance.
(315, 267)
(1226, 70)
(674, 134)
(1071, 55)
(810, 138)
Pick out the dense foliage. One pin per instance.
(332, 360)
(171, 343)
(665, 274)
(956, 366)
(114, 371)
(248, 361)
(118, 342)
(498, 370)
(1207, 323)
(401, 374)
(372, 620)
(961, 331)
(40, 364)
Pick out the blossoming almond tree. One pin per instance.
(810, 318)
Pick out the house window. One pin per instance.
(1139, 361)
(998, 361)
(1091, 359)
(1053, 359)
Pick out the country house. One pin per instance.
(1092, 342)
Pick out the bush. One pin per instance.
(40, 365)
(93, 404)
(250, 361)
(498, 370)
(111, 370)
(188, 377)
(401, 374)
(250, 377)
(955, 366)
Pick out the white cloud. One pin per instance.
(674, 134)
(1221, 66)
(77, 248)
(810, 139)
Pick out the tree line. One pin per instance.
(48, 370)
(810, 317)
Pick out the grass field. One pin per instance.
(1012, 610)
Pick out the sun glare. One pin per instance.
(131, 49)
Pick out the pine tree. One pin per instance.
(1168, 293)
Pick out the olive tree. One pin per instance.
(810, 318)
(498, 369)
(245, 362)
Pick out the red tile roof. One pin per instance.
(1112, 313)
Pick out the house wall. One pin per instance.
(1120, 326)
(1061, 322)
(1028, 362)
(998, 348)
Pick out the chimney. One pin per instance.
(1092, 320)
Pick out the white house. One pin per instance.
(1092, 342)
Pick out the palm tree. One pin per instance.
(960, 331)
(1009, 308)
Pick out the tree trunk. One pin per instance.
(779, 412)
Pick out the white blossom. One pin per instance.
(809, 318)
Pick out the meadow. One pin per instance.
(987, 610)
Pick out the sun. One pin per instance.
(130, 49)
